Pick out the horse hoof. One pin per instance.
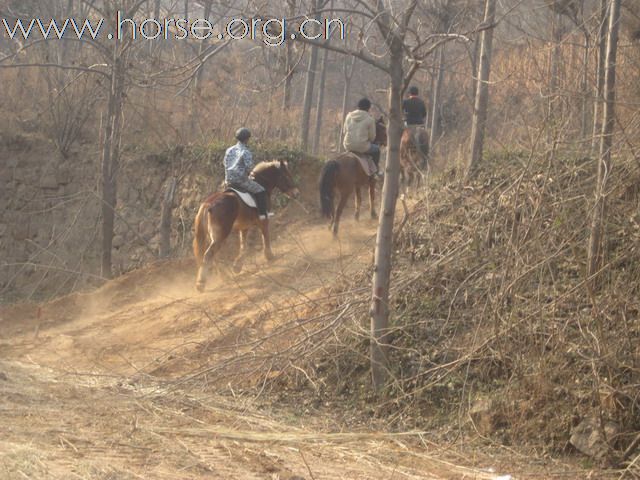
(200, 287)
(237, 268)
(374, 215)
(270, 257)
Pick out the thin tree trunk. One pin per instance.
(165, 218)
(602, 49)
(554, 73)
(320, 102)
(597, 241)
(110, 159)
(347, 70)
(308, 92)
(435, 105)
(432, 87)
(482, 91)
(288, 79)
(384, 240)
(584, 88)
(201, 49)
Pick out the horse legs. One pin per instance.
(358, 202)
(203, 271)
(372, 198)
(217, 234)
(266, 240)
(344, 196)
(239, 260)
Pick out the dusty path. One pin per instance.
(69, 407)
(83, 390)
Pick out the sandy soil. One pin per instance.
(86, 391)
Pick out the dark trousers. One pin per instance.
(374, 151)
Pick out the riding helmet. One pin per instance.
(243, 134)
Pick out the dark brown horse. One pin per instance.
(224, 212)
(413, 158)
(343, 175)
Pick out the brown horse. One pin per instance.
(224, 212)
(413, 158)
(345, 174)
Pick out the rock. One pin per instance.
(147, 229)
(63, 176)
(21, 231)
(487, 416)
(3, 377)
(587, 437)
(49, 181)
(6, 175)
(118, 241)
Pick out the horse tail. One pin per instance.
(200, 232)
(327, 185)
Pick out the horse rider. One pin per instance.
(415, 115)
(238, 163)
(360, 132)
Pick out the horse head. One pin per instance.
(276, 174)
(381, 132)
(285, 182)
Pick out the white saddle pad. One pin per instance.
(247, 198)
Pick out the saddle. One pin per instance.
(246, 197)
(366, 162)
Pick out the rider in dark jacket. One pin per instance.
(415, 117)
(414, 109)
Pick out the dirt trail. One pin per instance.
(71, 408)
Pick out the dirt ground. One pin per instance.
(86, 385)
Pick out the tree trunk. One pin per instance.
(554, 76)
(347, 70)
(165, 218)
(288, 79)
(584, 87)
(111, 158)
(308, 92)
(602, 49)
(482, 91)
(201, 49)
(384, 240)
(435, 105)
(597, 248)
(320, 102)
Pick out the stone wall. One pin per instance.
(50, 233)
(50, 216)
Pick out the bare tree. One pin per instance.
(600, 72)
(309, 87)
(482, 90)
(597, 248)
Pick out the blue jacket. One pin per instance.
(238, 163)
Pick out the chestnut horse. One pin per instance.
(345, 174)
(224, 212)
(413, 158)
